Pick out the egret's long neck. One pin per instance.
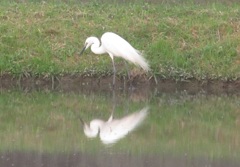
(96, 48)
(94, 128)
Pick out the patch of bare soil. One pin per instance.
(77, 83)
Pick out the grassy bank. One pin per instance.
(182, 40)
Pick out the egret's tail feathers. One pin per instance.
(141, 61)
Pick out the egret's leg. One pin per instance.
(128, 73)
(126, 65)
(113, 105)
(114, 72)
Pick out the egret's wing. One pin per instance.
(117, 129)
(117, 46)
(130, 122)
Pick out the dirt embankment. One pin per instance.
(76, 83)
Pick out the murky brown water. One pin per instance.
(142, 91)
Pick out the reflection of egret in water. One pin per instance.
(114, 129)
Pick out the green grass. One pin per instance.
(198, 125)
(180, 40)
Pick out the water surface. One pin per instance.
(180, 128)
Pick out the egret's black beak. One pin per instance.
(81, 120)
(82, 50)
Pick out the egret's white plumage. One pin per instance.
(114, 129)
(115, 45)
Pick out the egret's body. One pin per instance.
(114, 129)
(116, 46)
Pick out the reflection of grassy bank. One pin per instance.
(187, 40)
(195, 125)
(200, 124)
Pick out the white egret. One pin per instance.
(115, 45)
(114, 129)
